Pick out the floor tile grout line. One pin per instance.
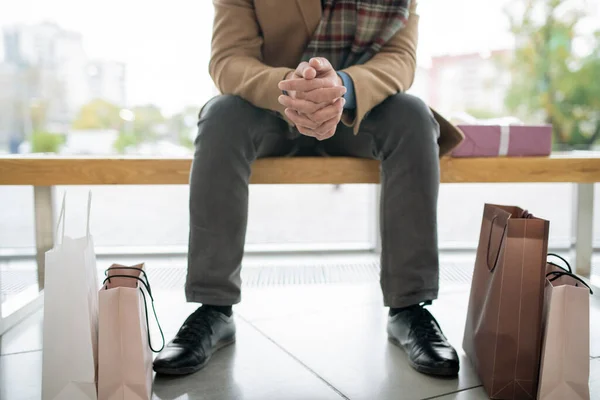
(315, 312)
(439, 396)
(312, 371)
(305, 313)
(20, 352)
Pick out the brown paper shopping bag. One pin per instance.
(565, 365)
(124, 345)
(503, 329)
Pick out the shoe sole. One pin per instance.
(439, 372)
(190, 370)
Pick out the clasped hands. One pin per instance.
(314, 101)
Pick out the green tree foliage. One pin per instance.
(38, 112)
(551, 82)
(143, 124)
(46, 142)
(98, 114)
(124, 140)
(480, 113)
(181, 124)
(148, 122)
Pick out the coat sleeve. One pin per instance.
(236, 64)
(390, 71)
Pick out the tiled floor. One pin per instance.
(303, 342)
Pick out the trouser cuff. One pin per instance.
(204, 298)
(400, 301)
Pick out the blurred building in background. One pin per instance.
(106, 80)
(50, 63)
(474, 83)
(9, 109)
(45, 79)
(421, 86)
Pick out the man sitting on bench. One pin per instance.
(315, 78)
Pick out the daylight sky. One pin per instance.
(166, 44)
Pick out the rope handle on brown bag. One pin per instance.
(524, 214)
(489, 245)
(554, 275)
(146, 284)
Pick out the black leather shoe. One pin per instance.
(202, 333)
(416, 331)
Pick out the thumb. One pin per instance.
(320, 64)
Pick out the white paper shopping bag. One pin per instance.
(70, 317)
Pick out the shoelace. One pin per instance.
(425, 325)
(197, 326)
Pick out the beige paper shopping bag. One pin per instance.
(124, 344)
(565, 365)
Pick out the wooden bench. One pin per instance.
(44, 172)
(50, 171)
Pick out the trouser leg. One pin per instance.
(232, 134)
(402, 133)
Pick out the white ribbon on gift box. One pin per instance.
(504, 140)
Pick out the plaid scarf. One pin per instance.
(352, 31)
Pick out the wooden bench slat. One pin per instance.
(50, 171)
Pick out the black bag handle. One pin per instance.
(140, 270)
(146, 284)
(568, 269)
(524, 214)
(554, 275)
(489, 245)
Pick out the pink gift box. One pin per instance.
(512, 140)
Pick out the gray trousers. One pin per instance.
(232, 133)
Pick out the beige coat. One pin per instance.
(257, 42)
